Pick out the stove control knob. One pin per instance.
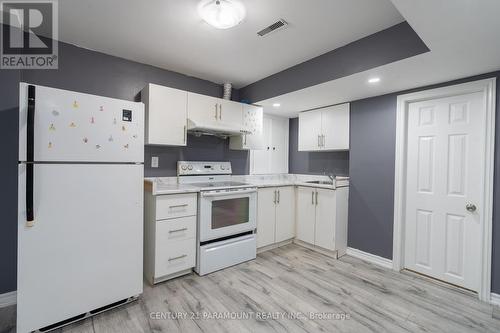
(184, 167)
(190, 167)
(222, 167)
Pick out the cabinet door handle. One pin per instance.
(177, 206)
(185, 133)
(278, 197)
(216, 111)
(220, 111)
(323, 141)
(177, 230)
(245, 140)
(177, 258)
(312, 198)
(316, 198)
(274, 201)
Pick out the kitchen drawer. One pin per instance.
(174, 256)
(175, 229)
(175, 205)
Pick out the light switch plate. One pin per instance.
(154, 161)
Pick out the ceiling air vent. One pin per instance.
(278, 25)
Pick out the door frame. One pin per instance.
(488, 88)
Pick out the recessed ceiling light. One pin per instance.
(374, 80)
(221, 14)
(276, 105)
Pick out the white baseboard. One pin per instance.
(384, 262)
(495, 299)
(8, 299)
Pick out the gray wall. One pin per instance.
(371, 172)
(95, 73)
(392, 44)
(315, 163)
(204, 148)
(372, 159)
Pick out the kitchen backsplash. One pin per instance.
(203, 148)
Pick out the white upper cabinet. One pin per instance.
(231, 113)
(202, 109)
(274, 157)
(335, 127)
(309, 130)
(209, 110)
(166, 114)
(253, 127)
(324, 129)
(170, 113)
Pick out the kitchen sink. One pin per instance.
(320, 182)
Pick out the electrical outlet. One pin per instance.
(154, 161)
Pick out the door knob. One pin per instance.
(471, 207)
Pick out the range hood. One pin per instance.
(220, 129)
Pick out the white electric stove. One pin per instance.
(227, 213)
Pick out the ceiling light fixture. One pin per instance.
(221, 14)
(276, 105)
(374, 80)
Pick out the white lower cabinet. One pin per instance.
(322, 217)
(275, 215)
(306, 214)
(169, 235)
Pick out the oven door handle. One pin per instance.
(221, 194)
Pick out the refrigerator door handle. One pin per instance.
(30, 152)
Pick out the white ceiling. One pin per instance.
(169, 33)
(462, 36)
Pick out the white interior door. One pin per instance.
(261, 159)
(279, 141)
(85, 248)
(445, 163)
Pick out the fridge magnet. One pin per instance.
(72, 125)
(114, 121)
(75, 104)
(92, 120)
(50, 145)
(101, 108)
(97, 146)
(85, 140)
(111, 138)
(125, 146)
(52, 127)
(123, 128)
(55, 113)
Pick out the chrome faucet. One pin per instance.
(330, 175)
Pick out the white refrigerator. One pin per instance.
(80, 204)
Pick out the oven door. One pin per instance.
(227, 213)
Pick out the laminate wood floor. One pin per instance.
(293, 289)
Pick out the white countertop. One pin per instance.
(170, 185)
